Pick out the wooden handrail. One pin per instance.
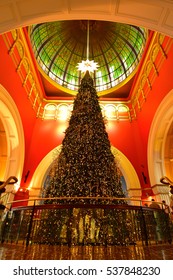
(83, 206)
(10, 181)
(82, 197)
(77, 198)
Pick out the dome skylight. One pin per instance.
(60, 46)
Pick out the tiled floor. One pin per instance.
(50, 252)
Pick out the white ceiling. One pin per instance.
(153, 14)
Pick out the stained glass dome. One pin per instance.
(60, 46)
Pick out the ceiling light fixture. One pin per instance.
(87, 65)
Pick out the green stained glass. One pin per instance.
(60, 46)
(44, 57)
(109, 55)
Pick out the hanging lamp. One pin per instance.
(87, 65)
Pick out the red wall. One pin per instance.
(12, 83)
(47, 135)
(161, 87)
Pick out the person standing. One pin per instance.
(165, 207)
(166, 222)
(154, 204)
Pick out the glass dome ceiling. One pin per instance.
(60, 46)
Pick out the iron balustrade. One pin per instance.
(85, 224)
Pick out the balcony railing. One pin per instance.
(85, 224)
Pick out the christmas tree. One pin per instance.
(86, 167)
(84, 174)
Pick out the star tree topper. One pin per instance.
(87, 65)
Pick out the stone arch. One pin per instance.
(158, 161)
(13, 129)
(129, 173)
